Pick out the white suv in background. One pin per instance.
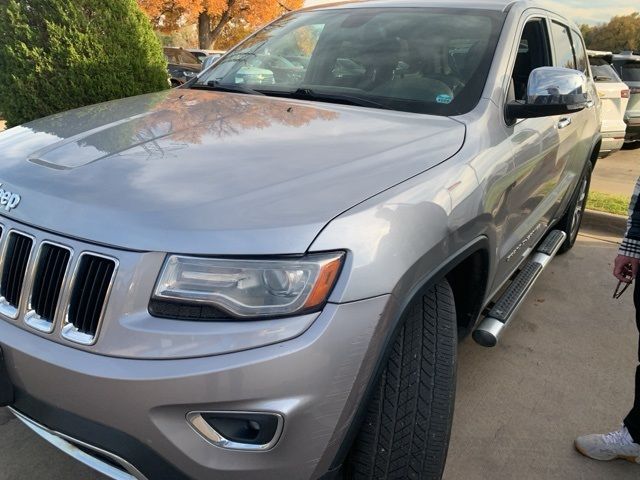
(627, 65)
(614, 96)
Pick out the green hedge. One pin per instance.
(61, 54)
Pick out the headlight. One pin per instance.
(250, 288)
(188, 73)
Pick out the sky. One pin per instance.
(580, 11)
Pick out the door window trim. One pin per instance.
(575, 35)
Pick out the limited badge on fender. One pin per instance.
(8, 200)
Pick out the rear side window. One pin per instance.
(562, 46)
(580, 53)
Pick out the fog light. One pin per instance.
(238, 430)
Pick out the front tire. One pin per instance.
(572, 220)
(407, 425)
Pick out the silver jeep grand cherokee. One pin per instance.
(265, 274)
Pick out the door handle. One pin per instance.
(564, 122)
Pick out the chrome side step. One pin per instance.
(488, 332)
(81, 451)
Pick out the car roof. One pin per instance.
(498, 5)
(626, 56)
(495, 5)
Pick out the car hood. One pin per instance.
(209, 172)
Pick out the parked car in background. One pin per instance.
(201, 54)
(182, 65)
(266, 273)
(614, 96)
(628, 67)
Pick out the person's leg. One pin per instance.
(623, 443)
(632, 422)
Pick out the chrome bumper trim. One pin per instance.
(211, 435)
(70, 445)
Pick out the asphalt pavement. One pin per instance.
(565, 367)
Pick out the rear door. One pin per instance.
(575, 131)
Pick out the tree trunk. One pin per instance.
(207, 35)
(204, 31)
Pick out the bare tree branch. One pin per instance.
(284, 6)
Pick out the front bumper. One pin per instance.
(136, 409)
(100, 460)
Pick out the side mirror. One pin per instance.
(551, 91)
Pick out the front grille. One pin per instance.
(88, 296)
(47, 284)
(16, 258)
(65, 294)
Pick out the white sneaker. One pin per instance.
(609, 446)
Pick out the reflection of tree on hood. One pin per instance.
(184, 115)
(192, 115)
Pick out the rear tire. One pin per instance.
(407, 425)
(572, 220)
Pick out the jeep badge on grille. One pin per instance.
(8, 200)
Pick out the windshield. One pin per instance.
(178, 56)
(629, 70)
(422, 60)
(602, 71)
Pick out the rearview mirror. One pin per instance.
(551, 91)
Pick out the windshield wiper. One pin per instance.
(226, 87)
(308, 94)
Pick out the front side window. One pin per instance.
(533, 52)
(422, 60)
(563, 47)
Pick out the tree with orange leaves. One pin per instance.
(213, 16)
